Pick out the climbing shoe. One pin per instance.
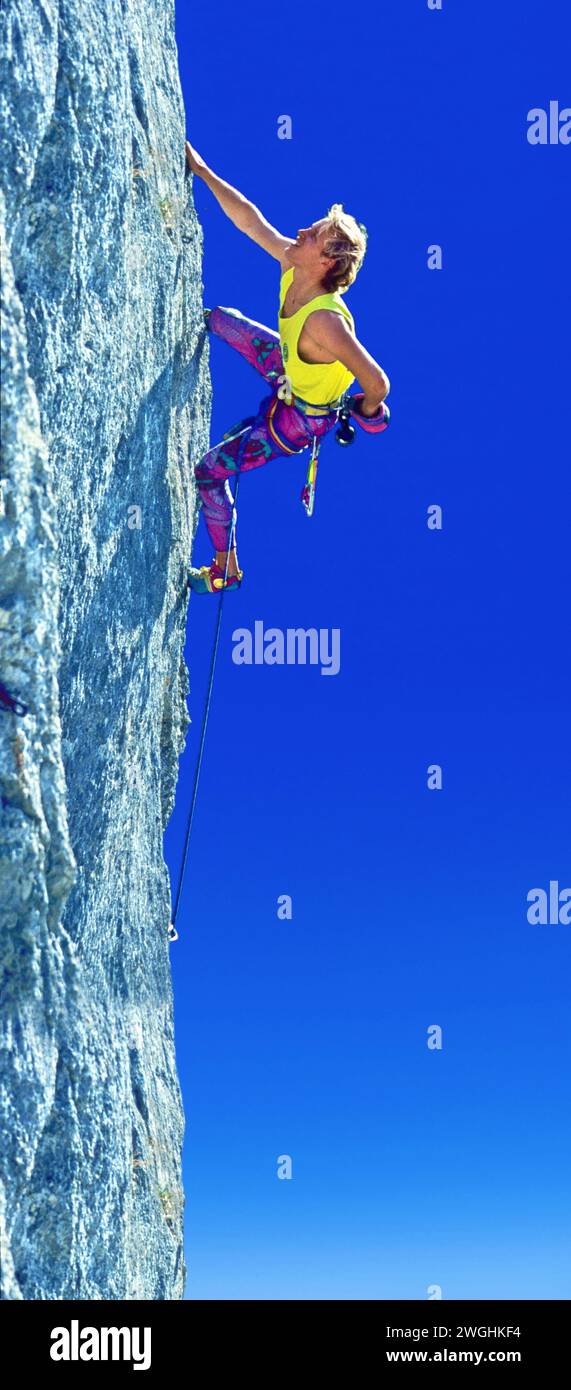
(209, 579)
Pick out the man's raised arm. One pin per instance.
(245, 215)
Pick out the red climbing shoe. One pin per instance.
(209, 579)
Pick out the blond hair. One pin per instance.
(345, 240)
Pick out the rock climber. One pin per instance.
(310, 362)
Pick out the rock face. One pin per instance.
(105, 408)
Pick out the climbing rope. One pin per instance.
(173, 934)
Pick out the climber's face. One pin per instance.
(307, 250)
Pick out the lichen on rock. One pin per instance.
(105, 409)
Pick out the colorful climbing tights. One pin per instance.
(277, 431)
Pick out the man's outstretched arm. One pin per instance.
(245, 215)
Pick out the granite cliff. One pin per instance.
(105, 408)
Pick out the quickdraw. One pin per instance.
(308, 491)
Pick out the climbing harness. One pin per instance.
(279, 439)
(310, 408)
(9, 703)
(172, 931)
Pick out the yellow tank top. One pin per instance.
(317, 382)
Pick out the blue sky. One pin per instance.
(411, 1167)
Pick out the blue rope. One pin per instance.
(173, 935)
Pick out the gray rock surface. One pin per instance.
(105, 408)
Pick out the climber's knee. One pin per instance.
(212, 317)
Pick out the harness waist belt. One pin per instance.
(309, 408)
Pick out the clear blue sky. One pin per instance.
(307, 1037)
